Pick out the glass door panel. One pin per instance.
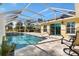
(55, 29)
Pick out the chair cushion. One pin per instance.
(76, 43)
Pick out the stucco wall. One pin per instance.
(77, 26)
(63, 26)
(63, 30)
(48, 29)
(42, 27)
(77, 9)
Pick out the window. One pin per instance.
(71, 27)
(45, 28)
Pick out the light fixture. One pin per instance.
(62, 22)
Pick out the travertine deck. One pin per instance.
(51, 48)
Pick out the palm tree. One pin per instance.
(40, 20)
(29, 27)
(9, 27)
(37, 28)
(19, 27)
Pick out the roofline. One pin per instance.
(42, 23)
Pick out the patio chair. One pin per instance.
(69, 39)
(73, 46)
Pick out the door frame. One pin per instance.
(54, 30)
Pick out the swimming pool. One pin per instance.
(22, 40)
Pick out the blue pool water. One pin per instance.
(23, 40)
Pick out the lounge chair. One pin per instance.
(72, 44)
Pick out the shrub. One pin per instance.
(7, 49)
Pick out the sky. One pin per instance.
(35, 8)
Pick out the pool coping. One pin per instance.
(34, 34)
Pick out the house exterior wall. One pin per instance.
(63, 26)
(42, 28)
(48, 29)
(63, 30)
(77, 9)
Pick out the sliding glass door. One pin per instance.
(56, 29)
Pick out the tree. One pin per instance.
(9, 27)
(40, 20)
(30, 27)
(37, 28)
(19, 27)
